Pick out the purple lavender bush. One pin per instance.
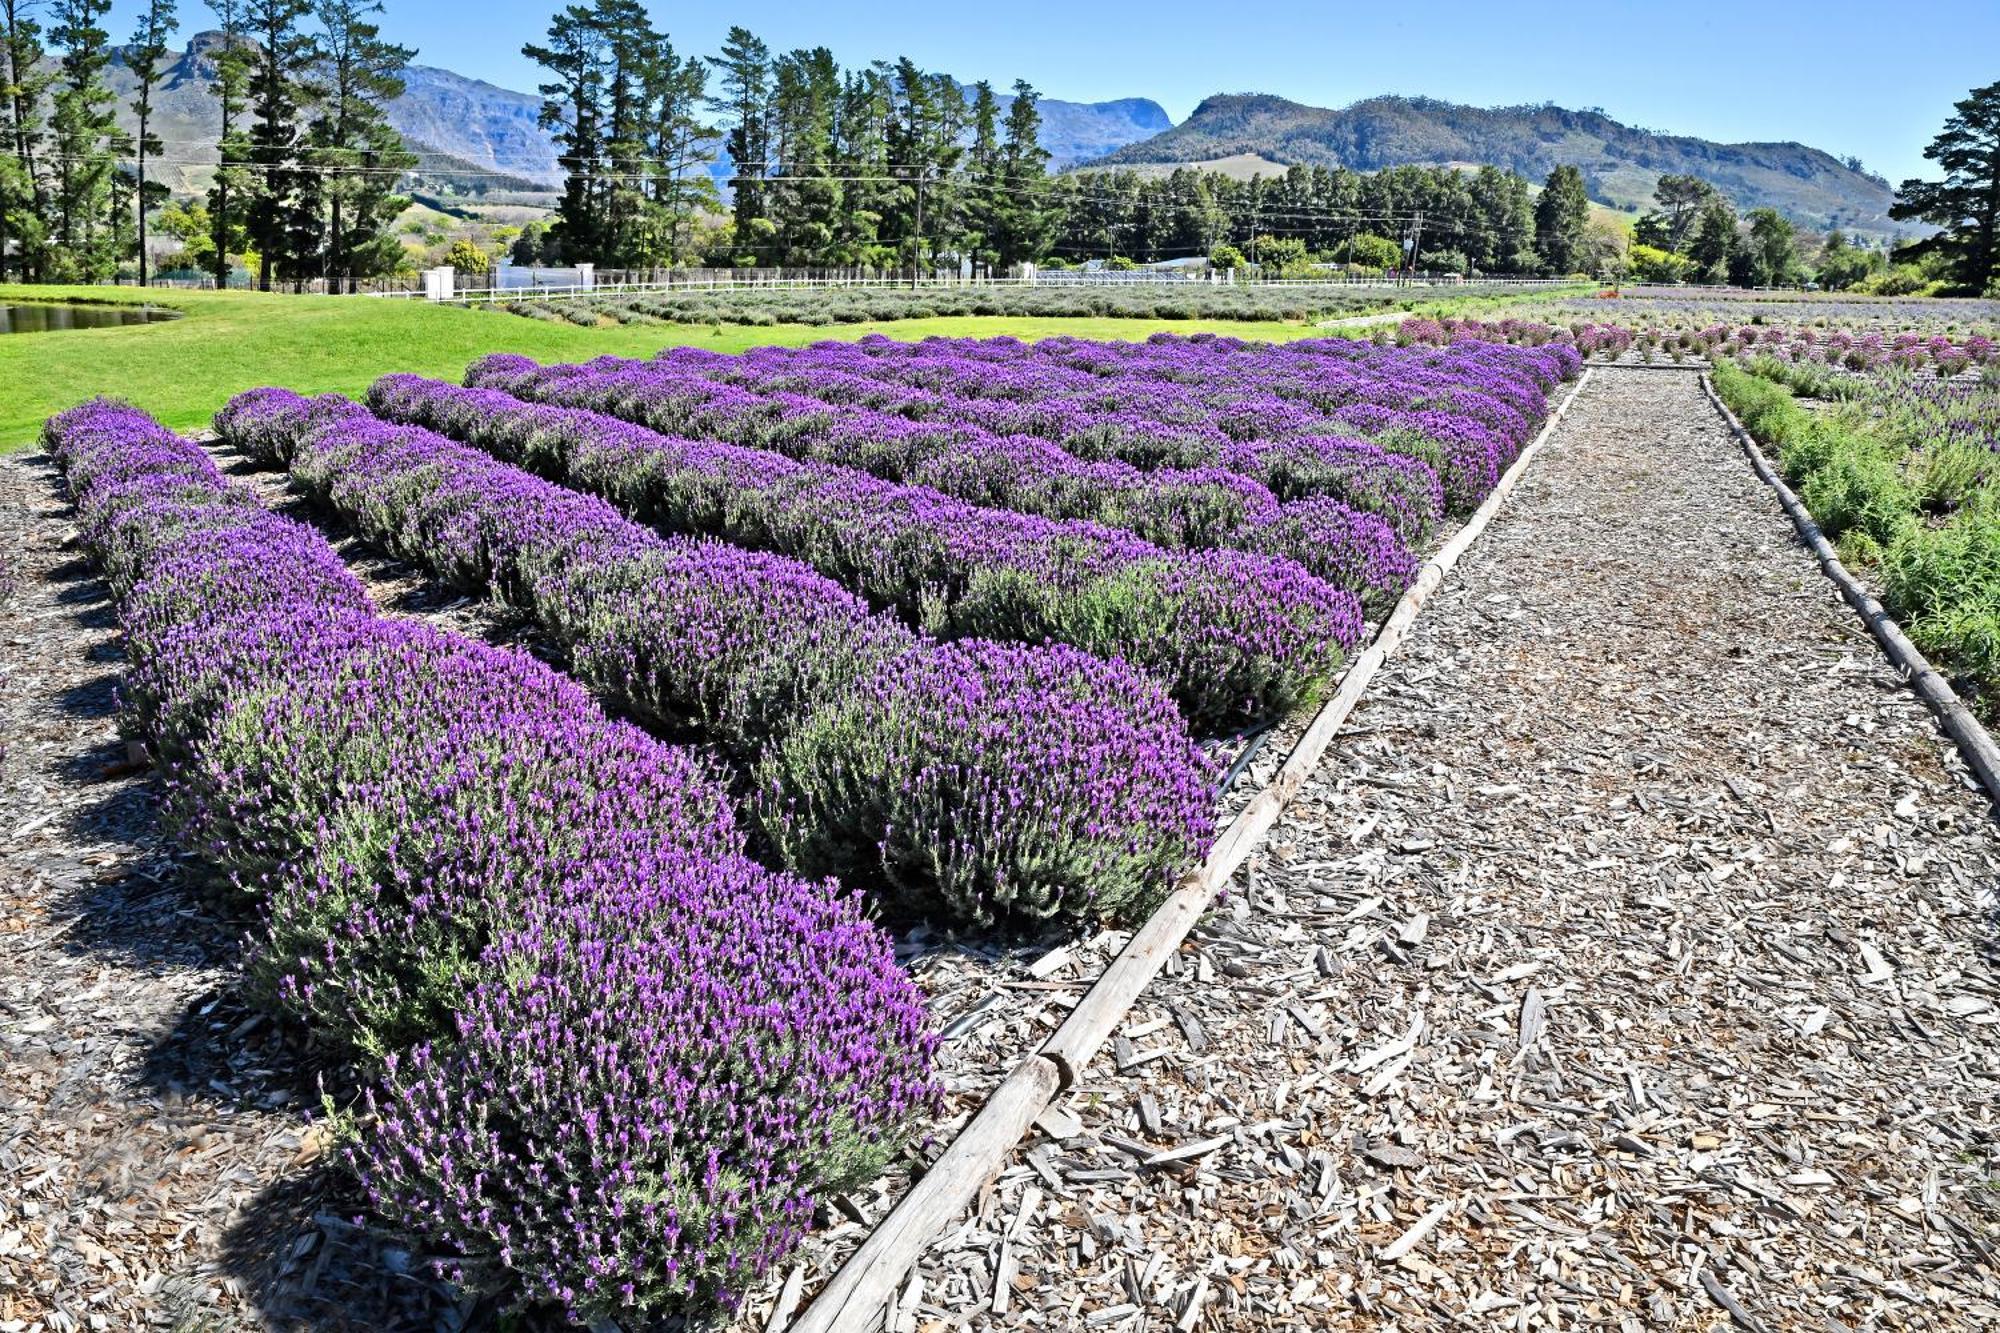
(1235, 638)
(638, 1056)
(754, 652)
(938, 772)
(653, 1081)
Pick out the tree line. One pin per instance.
(881, 165)
(308, 164)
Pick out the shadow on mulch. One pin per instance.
(305, 1258)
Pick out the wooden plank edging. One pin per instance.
(852, 1300)
(1974, 742)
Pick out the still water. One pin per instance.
(49, 318)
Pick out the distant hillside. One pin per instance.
(461, 127)
(1619, 163)
(1078, 131)
(465, 126)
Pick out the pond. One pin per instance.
(39, 318)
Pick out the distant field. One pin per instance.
(231, 341)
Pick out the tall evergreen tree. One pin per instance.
(631, 48)
(230, 194)
(1682, 200)
(24, 196)
(927, 119)
(351, 145)
(157, 22)
(86, 140)
(1774, 249)
(807, 199)
(678, 144)
(1561, 216)
(983, 204)
(1966, 203)
(573, 107)
(862, 147)
(280, 59)
(1710, 244)
(745, 103)
(1025, 216)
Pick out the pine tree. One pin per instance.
(1027, 218)
(1966, 203)
(86, 140)
(984, 203)
(357, 153)
(927, 118)
(745, 100)
(631, 47)
(862, 147)
(149, 48)
(807, 200)
(24, 195)
(1713, 238)
(1561, 216)
(678, 144)
(229, 196)
(573, 106)
(282, 57)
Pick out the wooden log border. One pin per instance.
(1974, 742)
(853, 1299)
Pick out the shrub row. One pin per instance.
(1147, 425)
(1202, 400)
(865, 306)
(1175, 510)
(616, 1060)
(1283, 415)
(973, 779)
(1236, 638)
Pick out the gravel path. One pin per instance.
(1630, 964)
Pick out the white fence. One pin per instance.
(733, 281)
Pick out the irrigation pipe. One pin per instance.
(1974, 742)
(853, 1299)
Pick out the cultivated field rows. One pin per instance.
(1231, 1160)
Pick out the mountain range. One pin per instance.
(464, 126)
(1619, 163)
(468, 129)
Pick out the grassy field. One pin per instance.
(184, 370)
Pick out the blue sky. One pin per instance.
(1846, 77)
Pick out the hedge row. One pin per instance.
(1237, 638)
(971, 779)
(1176, 510)
(1923, 511)
(614, 1061)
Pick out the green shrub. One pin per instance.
(1943, 583)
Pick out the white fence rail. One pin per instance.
(736, 283)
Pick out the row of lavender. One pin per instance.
(1285, 415)
(612, 1060)
(1859, 350)
(1235, 637)
(969, 779)
(1188, 443)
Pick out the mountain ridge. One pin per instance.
(1619, 162)
(472, 125)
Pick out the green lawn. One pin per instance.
(184, 370)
